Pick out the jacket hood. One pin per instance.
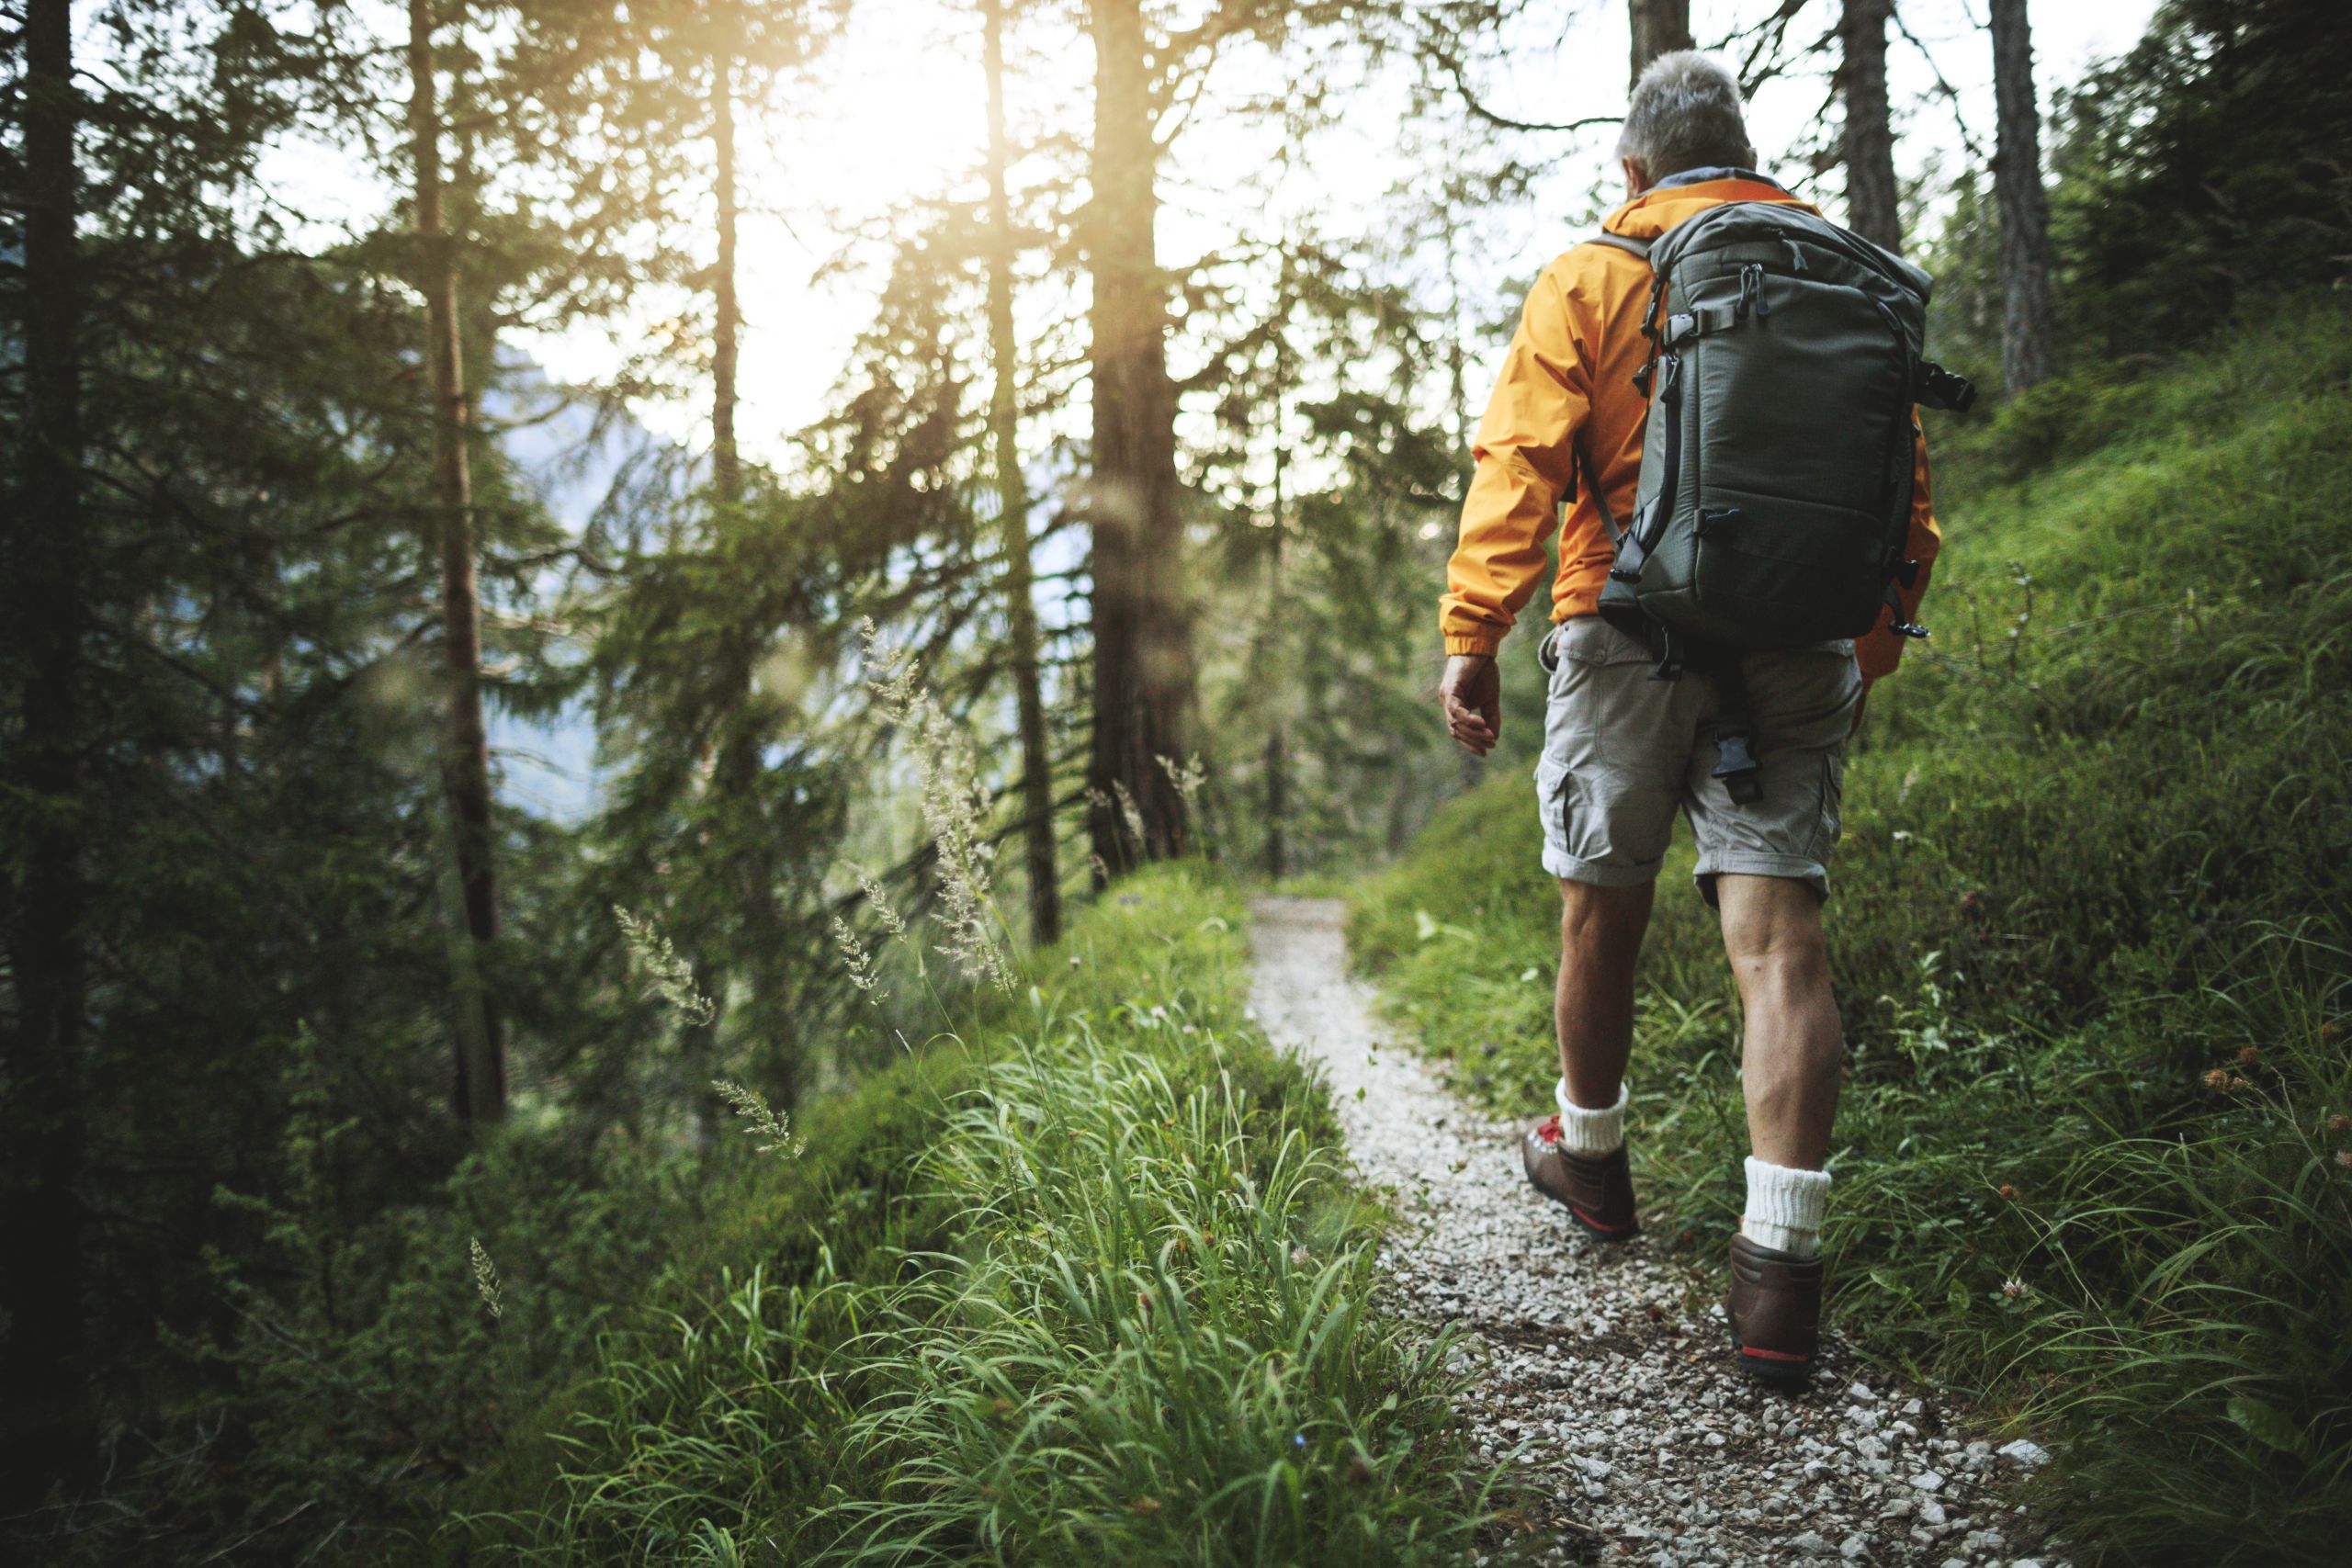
(1660, 208)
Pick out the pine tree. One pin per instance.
(480, 1077)
(47, 1425)
(1143, 658)
(2025, 206)
(1874, 209)
(1013, 507)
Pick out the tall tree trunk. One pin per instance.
(737, 772)
(1660, 27)
(46, 1423)
(1143, 663)
(726, 331)
(2025, 206)
(480, 1090)
(1013, 513)
(1272, 663)
(1873, 208)
(735, 762)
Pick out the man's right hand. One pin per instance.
(1471, 693)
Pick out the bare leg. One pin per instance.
(1592, 1007)
(1794, 1046)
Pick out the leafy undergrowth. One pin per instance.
(2090, 929)
(1079, 1284)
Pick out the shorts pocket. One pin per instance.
(1589, 639)
(1831, 820)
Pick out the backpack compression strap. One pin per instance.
(1626, 243)
(1632, 247)
(1736, 762)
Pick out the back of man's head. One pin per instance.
(1686, 114)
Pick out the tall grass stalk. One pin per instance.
(1113, 1304)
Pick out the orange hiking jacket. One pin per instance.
(1568, 377)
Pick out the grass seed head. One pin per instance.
(857, 961)
(668, 977)
(486, 1280)
(774, 1125)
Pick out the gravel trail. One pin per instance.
(1609, 1366)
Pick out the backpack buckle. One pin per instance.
(1735, 764)
(1942, 389)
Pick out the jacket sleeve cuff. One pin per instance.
(1483, 643)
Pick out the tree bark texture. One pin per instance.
(480, 1089)
(1660, 27)
(2026, 353)
(1013, 511)
(727, 329)
(1273, 652)
(47, 1427)
(1873, 205)
(1143, 665)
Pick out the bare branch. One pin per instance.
(1950, 94)
(1451, 64)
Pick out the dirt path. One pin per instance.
(1610, 1366)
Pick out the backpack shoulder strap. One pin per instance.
(1625, 242)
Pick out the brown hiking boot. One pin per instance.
(1598, 1190)
(1775, 1311)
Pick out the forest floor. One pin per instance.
(1607, 1369)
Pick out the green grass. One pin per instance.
(1079, 1284)
(2090, 930)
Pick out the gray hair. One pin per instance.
(1686, 114)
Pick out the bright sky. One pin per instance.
(894, 112)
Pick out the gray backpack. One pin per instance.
(1775, 498)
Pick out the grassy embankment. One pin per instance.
(2091, 933)
(1078, 1284)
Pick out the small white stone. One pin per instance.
(1855, 1547)
(2030, 1454)
(1927, 1481)
(1813, 1544)
(1931, 1514)
(1860, 1395)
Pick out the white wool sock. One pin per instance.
(1784, 1207)
(1590, 1133)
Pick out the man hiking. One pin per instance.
(1640, 718)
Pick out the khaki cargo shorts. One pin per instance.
(1621, 750)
